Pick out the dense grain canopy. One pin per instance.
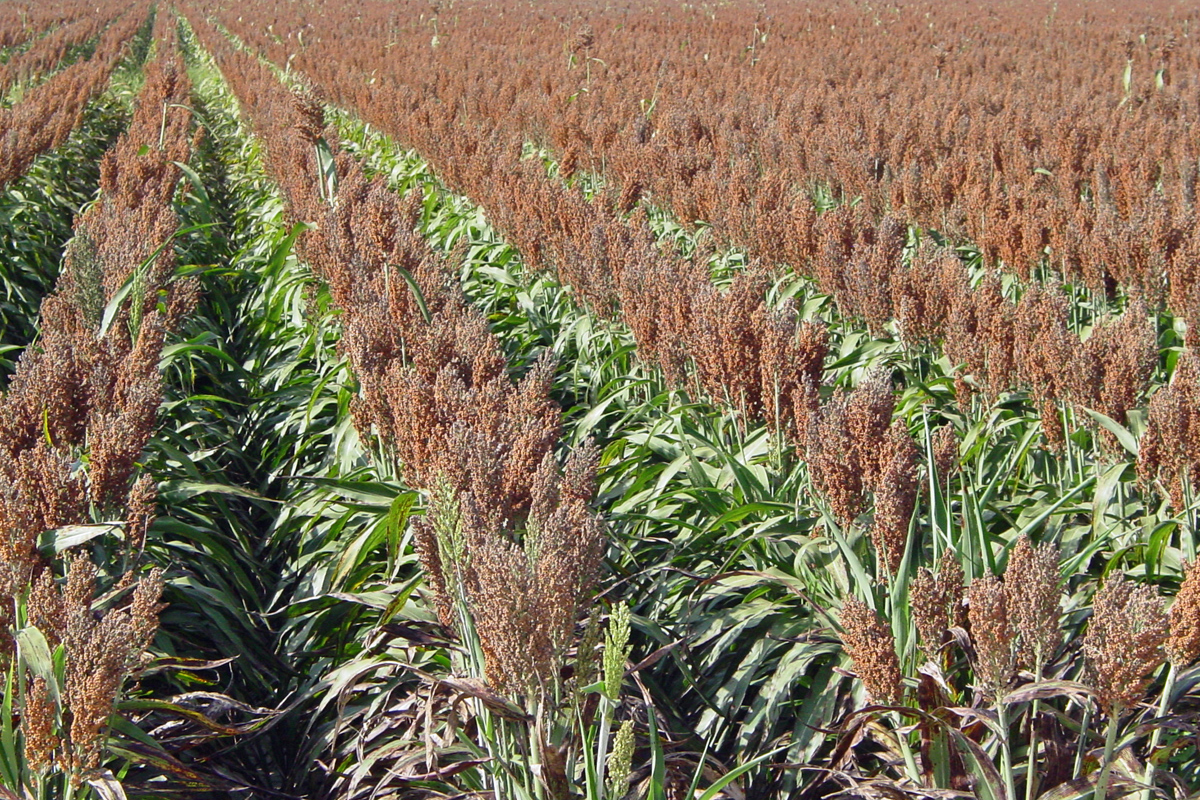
(594, 401)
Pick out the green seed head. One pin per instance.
(616, 650)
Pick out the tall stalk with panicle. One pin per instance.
(995, 646)
(1124, 642)
(509, 545)
(1031, 583)
(1182, 649)
(75, 420)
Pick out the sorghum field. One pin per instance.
(603, 400)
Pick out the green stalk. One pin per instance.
(935, 496)
(476, 665)
(1084, 736)
(1067, 446)
(1163, 703)
(1188, 543)
(1034, 710)
(1006, 760)
(489, 737)
(533, 759)
(606, 714)
(1110, 745)
(941, 760)
(910, 761)
(12, 762)
(23, 771)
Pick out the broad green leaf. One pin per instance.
(1127, 439)
(56, 541)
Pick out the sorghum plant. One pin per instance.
(77, 415)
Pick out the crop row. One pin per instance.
(48, 52)
(605, 507)
(23, 24)
(88, 394)
(757, 358)
(50, 111)
(739, 346)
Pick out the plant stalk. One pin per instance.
(1110, 745)
(1085, 726)
(1163, 703)
(1035, 710)
(606, 715)
(1006, 760)
(910, 761)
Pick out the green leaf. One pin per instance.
(731, 776)
(113, 307)
(106, 785)
(418, 295)
(397, 523)
(35, 650)
(283, 249)
(11, 762)
(658, 761)
(179, 490)
(988, 784)
(56, 541)
(197, 184)
(1124, 436)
